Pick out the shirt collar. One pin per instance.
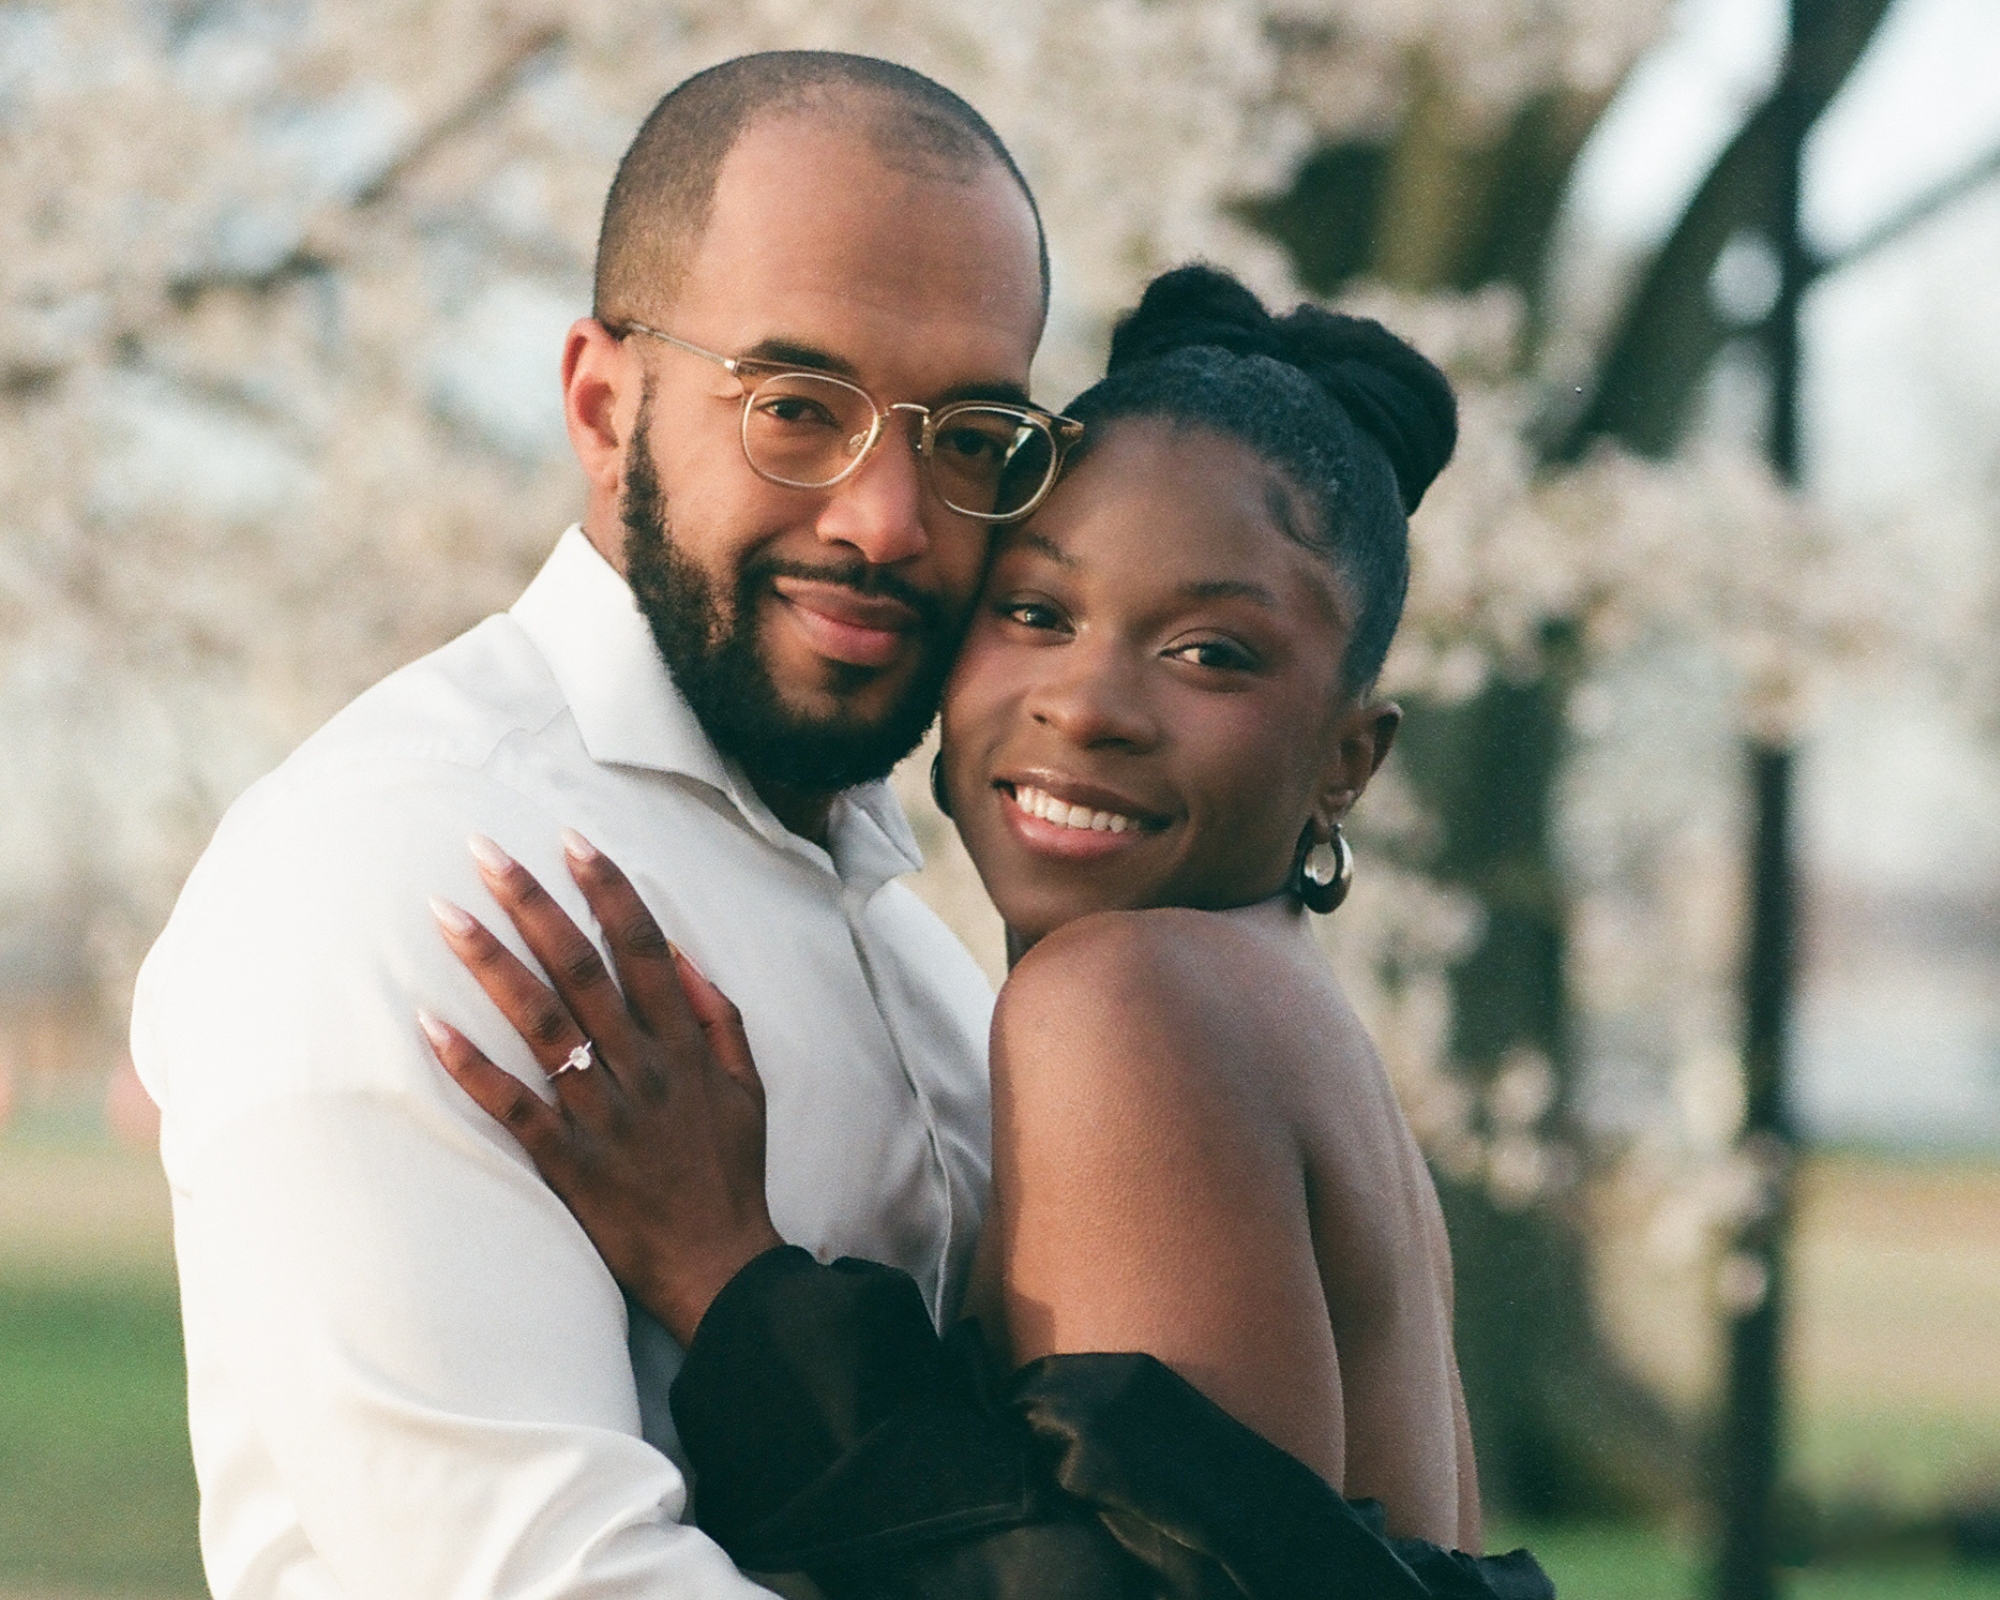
(580, 614)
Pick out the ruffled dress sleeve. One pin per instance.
(835, 1437)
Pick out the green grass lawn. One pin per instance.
(97, 1495)
(96, 1490)
(1624, 1563)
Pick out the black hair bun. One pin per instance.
(1190, 306)
(1395, 396)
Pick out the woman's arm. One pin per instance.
(830, 1429)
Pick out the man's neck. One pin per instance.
(804, 811)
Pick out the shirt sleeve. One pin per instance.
(837, 1435)
(408, 1367)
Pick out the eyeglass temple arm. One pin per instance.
(729, 364)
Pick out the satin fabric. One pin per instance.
(832, 1433)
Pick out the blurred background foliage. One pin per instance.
(285, 284)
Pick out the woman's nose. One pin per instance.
(1095, 697)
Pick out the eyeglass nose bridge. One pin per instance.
(862, 445)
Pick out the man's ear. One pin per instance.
(1361, 745)
(602, 384)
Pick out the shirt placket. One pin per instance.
(854, 906)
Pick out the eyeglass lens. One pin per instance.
(805, 430)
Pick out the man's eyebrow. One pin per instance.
(792, 353)
(1011, 394)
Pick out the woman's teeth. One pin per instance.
(1040, 803)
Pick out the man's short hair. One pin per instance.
(664, 192)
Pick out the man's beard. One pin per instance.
(716, 666)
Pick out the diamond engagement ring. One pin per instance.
(578, 1060)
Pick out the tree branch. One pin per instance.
(493, 91)
(1669, 335)
(308, 256)
(1911, 216)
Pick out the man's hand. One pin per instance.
(656, 1137)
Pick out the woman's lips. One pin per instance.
(843, 625)
(1082, 826)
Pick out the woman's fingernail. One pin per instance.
(577, 848)
(434, 1030)
(488, 854)
(455, 920)
(687, 961)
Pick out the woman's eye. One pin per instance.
(1037, 614)
(1224, 655)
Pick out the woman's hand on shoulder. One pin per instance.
(655, 1137)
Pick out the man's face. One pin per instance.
(811, 630)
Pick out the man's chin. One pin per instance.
(824, 756)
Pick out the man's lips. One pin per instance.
(843, 624)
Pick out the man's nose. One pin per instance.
(879, 511)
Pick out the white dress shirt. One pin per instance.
(409, 1373)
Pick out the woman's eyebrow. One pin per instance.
(1201, 589)
(1028, 539)
(1230, 589)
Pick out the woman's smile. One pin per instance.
(1060, 816)
(1045, 807)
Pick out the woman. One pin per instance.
(1160, 716)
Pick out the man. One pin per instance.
(409, 1373)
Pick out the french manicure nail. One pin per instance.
(488, 854)
(434, 1030)
(453, 919)
(577, 848)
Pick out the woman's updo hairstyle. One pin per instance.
(1350, 414)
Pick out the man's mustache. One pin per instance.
(864, 579)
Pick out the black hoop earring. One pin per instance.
(938, 794)
(1323, 872)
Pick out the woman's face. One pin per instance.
(1149, 706)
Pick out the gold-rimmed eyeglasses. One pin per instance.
(986, 459)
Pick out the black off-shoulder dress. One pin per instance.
(836, 1438)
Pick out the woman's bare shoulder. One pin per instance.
(1147, 993)
(1171, 961)
(1221, 1005)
